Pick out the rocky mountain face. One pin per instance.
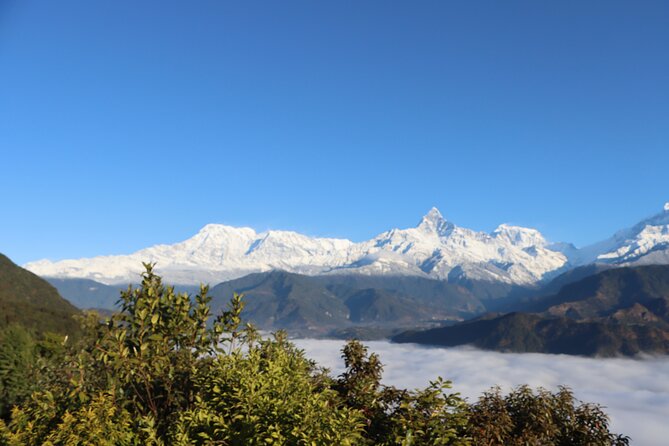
(401, 277)
(603, 299)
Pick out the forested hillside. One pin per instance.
(318, 304)
(622, 311)
(30, 301)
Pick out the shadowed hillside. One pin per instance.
(28, 300)
(321, 303)
(622, 311)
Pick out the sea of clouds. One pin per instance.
(634, 392)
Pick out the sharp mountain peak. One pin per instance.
(434, 248)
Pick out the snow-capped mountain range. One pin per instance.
(435, 248)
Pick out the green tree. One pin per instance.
(18, 360)
(267, 395)
(431, 416)
(157, 373)
(525, 417)
(165, 371)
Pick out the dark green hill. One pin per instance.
(322, 303)
(616, 311)
(606, 292)
(29, 300)
(571, 276)
(523, 332)
(454, 299)
(282, 300)
(374, 305)
(520, 298)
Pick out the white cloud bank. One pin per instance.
(634, 392)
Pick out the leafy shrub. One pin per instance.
(524, 417)
(400, 417)
(157, 373)
(161, 372)
(265, 396)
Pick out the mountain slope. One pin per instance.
(616, 311)
(606, 292)
(319, 304)
(28, 300)
(282, 300)
(435, 248)
(647, 242)
(525, 333)
(523, 298)
(87, 294)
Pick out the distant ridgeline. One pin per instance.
(593, 310)
(604, 299)
(318, 305)
(622, 311)
(435, 248)
(30, 301)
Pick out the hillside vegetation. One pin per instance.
(30, 301)
(622, 311)
(319, 304)
(158, 374)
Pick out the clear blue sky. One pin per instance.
(129, 123)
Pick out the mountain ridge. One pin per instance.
(435, 248)
(619, 311)
(319, 304)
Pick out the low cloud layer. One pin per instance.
(635, 392)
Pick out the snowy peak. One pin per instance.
(645, 242)
(434, 248)
(433, 216)
(519, 236)
(217, 230)
(434, 222)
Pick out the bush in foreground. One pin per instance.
(525, 417)
(157, 374)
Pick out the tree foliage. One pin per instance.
(400, 417)
(157, 373)
(164, 371)
(18, 358)
(525, 417)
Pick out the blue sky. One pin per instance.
(125, 124)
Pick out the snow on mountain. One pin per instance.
(215, 253)
(509, 254)
(434, 248)
(645, 242)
